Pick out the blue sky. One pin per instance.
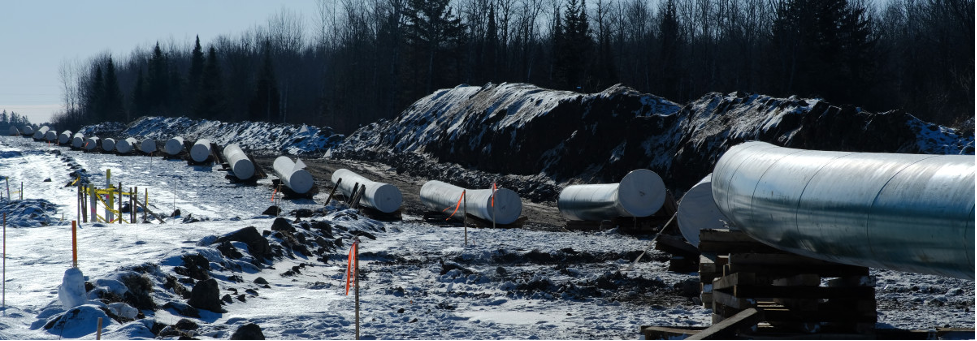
(37, 36)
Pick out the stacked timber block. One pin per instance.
(791, 293)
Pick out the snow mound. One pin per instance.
(28, 212)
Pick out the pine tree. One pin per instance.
(265, 103)
(436, 35)
(113, 103)
(95, 96)
(196, 71)
(573, 47)
(210, 98)
(140, 100)
(668, 67)
(158, 81)
(491, 45)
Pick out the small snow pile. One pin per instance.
(72, 292)
(28, 212)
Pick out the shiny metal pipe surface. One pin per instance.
(148, 146)
(384, 197)
(439, 196)
(78, 140)
(91, 143)
(14, 131)
(904, 212)
(41, 132)
(639, 194)
(125, 146)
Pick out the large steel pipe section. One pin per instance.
(698, 211)
(903, 212)
(27, 131)
(440, 195)
(14, 131)
(108, 144)
(126, 146)
(241, 165)
(200, 151)
(51, 135)
(148, 146)
(41, 132)
(65, 137)
(173, 146)
(384, 197)
(78, 140)
(640, 194)
(293, 174)
(91, 143)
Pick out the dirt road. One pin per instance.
(540, 216)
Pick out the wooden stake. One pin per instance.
(74, 244)
(4, 262)
(145, 204)
(349, 201)
(464, 195)
(333, 191)
(21, 190)
(120, 203)
(356, 283)
(98, 334)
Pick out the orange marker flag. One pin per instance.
(349, 265)
(493, 194)
(273, 192)
(456, 206)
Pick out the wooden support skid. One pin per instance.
(792, 293)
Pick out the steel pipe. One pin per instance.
(41, 132)
(173, 146)
(78, 140)
(384, 197)
(241, 165)
(91, 143)
(439, 196)
(65, 137)
(640, 194)
(108, 144)
(126, 146)
(148, 146)
(904, 212)
(14, 131)
(27, 131)
(200, 151)
(51, 135)
(293, 174)
(698, 211)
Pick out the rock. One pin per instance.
(227, 299)
(282, 224)
(182, 309)
(272, 210)
(229, 250)
(185, 324)
(258, 246)
(206, 295)
(194, 266)
(260, 280)
(249, 331)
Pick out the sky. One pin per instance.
(38, 36)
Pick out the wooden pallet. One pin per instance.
(793, 293)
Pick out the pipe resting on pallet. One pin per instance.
(384, 197)
(640, 194)
(200, 151)
(240, 164)
(173, 146)
(293, 174)
(903, 212)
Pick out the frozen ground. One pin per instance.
(419, 281)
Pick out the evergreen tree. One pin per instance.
(265, 103)
(210, 99)
(435, 34)
(158, 81)
(668, 79)
(140, 100)
(491, 45)
(573, 47)
(95, 97)
(113, 103)
(196, 70)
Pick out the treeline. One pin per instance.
(354, 62)
(13, 119)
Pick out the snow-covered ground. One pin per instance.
(419, 281)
